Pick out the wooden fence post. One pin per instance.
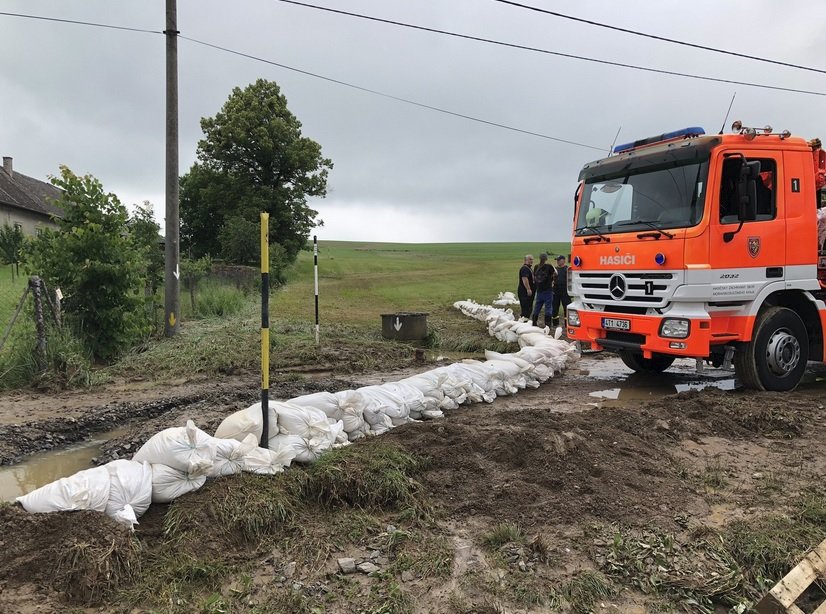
(36, 285)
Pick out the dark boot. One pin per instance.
(534, 320)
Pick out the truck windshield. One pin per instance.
(666, 195)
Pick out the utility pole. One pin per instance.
(172, 252)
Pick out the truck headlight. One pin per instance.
(674, 328)
(573, 317)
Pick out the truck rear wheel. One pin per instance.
(656, 364)
(775, 358)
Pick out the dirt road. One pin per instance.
(585, 494)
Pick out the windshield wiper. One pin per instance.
(599, 237)
(651, 225)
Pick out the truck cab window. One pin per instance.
(766, 199)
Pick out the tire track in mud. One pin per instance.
(20, 440)
(206, 406)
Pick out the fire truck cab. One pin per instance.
(706, 247)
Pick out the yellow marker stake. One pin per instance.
(265, 326)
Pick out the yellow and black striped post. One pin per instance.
(265, 327)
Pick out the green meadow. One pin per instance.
(357, 283)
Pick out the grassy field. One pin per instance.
(10, 292)
(360, 281)
(357, 283)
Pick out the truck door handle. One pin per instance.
(774, 272)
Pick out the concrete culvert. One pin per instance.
(404, 326)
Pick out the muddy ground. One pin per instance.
(527, 498)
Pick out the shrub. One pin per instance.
(93, 258)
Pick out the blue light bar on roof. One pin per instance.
(668, 136)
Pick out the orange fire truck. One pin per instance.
(706, 247)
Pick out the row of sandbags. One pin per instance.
(171, 463)
(179, 460)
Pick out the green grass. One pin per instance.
(503, 533)
(357, 283)
(10, 293)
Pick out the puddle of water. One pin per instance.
(40, 469)
(616, 397)
(629, 386)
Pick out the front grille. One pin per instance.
(644, 289)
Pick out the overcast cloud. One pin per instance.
(93, 99)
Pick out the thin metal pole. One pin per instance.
(172, 255)
(315, 272)
(265, 328)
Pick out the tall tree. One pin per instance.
(253, 158)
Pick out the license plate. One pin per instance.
(615, 324)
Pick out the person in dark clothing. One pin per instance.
(526, 287)
(543, 277)
(560, 289)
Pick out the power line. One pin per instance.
(555, 53)
(659, 38)
(475, 38)
(304, 72)
(390, 96)
(81, 23)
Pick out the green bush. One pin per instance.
(93, 258)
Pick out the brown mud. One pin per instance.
(559, 462)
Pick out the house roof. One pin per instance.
(24, 192)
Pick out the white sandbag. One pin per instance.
(432, 415)
(168, 484)
(324, 401)
(535, 339)
(382, 426)
(264, 461)
(126, 516)
(185, 448)
(306, 422)
(284, 449)
(383, 400)
(351, 405)
(230, 455)
(249, 421)
(130, 485)
(307, 450)
(84, 490)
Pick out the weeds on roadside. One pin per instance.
(68, 361)
(503, 533)
(714, 475)
(584, 590)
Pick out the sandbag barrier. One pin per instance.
(179, 460)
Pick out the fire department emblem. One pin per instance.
(754, 246)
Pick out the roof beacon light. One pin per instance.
(685, 133)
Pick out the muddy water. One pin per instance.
(40, 469)
(633, 387)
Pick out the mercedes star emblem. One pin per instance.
(617, 287)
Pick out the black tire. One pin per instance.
(656, 364)
(776, 357)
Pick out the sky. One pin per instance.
(93, 98)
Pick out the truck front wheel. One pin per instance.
(656, 364)
(775, 358)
